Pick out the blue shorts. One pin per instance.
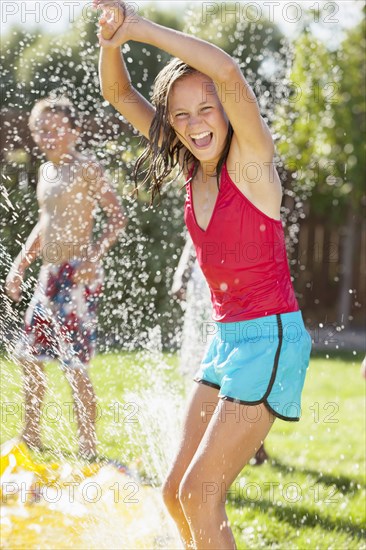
(263, 360)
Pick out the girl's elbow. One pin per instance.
(230, 71)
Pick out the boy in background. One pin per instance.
(60, 321)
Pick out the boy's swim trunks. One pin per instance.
(61, 320)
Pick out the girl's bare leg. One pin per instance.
(202, 404)
(230, 441)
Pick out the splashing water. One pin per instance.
(90, 507)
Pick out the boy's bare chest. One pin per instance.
(61, 192)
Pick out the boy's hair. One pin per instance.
(61, 105)
(164, 158)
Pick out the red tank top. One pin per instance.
(242, 254)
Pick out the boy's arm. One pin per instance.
(237, 97)
(25, 258)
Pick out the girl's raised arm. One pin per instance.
(235, 94)
(114, 78)
(118, 90)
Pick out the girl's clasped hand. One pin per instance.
(115, 22)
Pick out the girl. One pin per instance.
(204, 117)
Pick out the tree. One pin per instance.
(320, 128)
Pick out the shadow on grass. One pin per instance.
(343, 483)
(300, 516)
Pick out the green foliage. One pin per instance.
(349, 114)
(321, 123)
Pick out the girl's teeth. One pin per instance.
(200, 136)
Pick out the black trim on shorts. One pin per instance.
(201, 381)
(275, 413)
(288, 418)
(270, 385)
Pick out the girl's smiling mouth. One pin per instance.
(202, 140)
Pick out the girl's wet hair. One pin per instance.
(162, 159)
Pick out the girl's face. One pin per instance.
(198, 118)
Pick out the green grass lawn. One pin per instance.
(310, 495)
